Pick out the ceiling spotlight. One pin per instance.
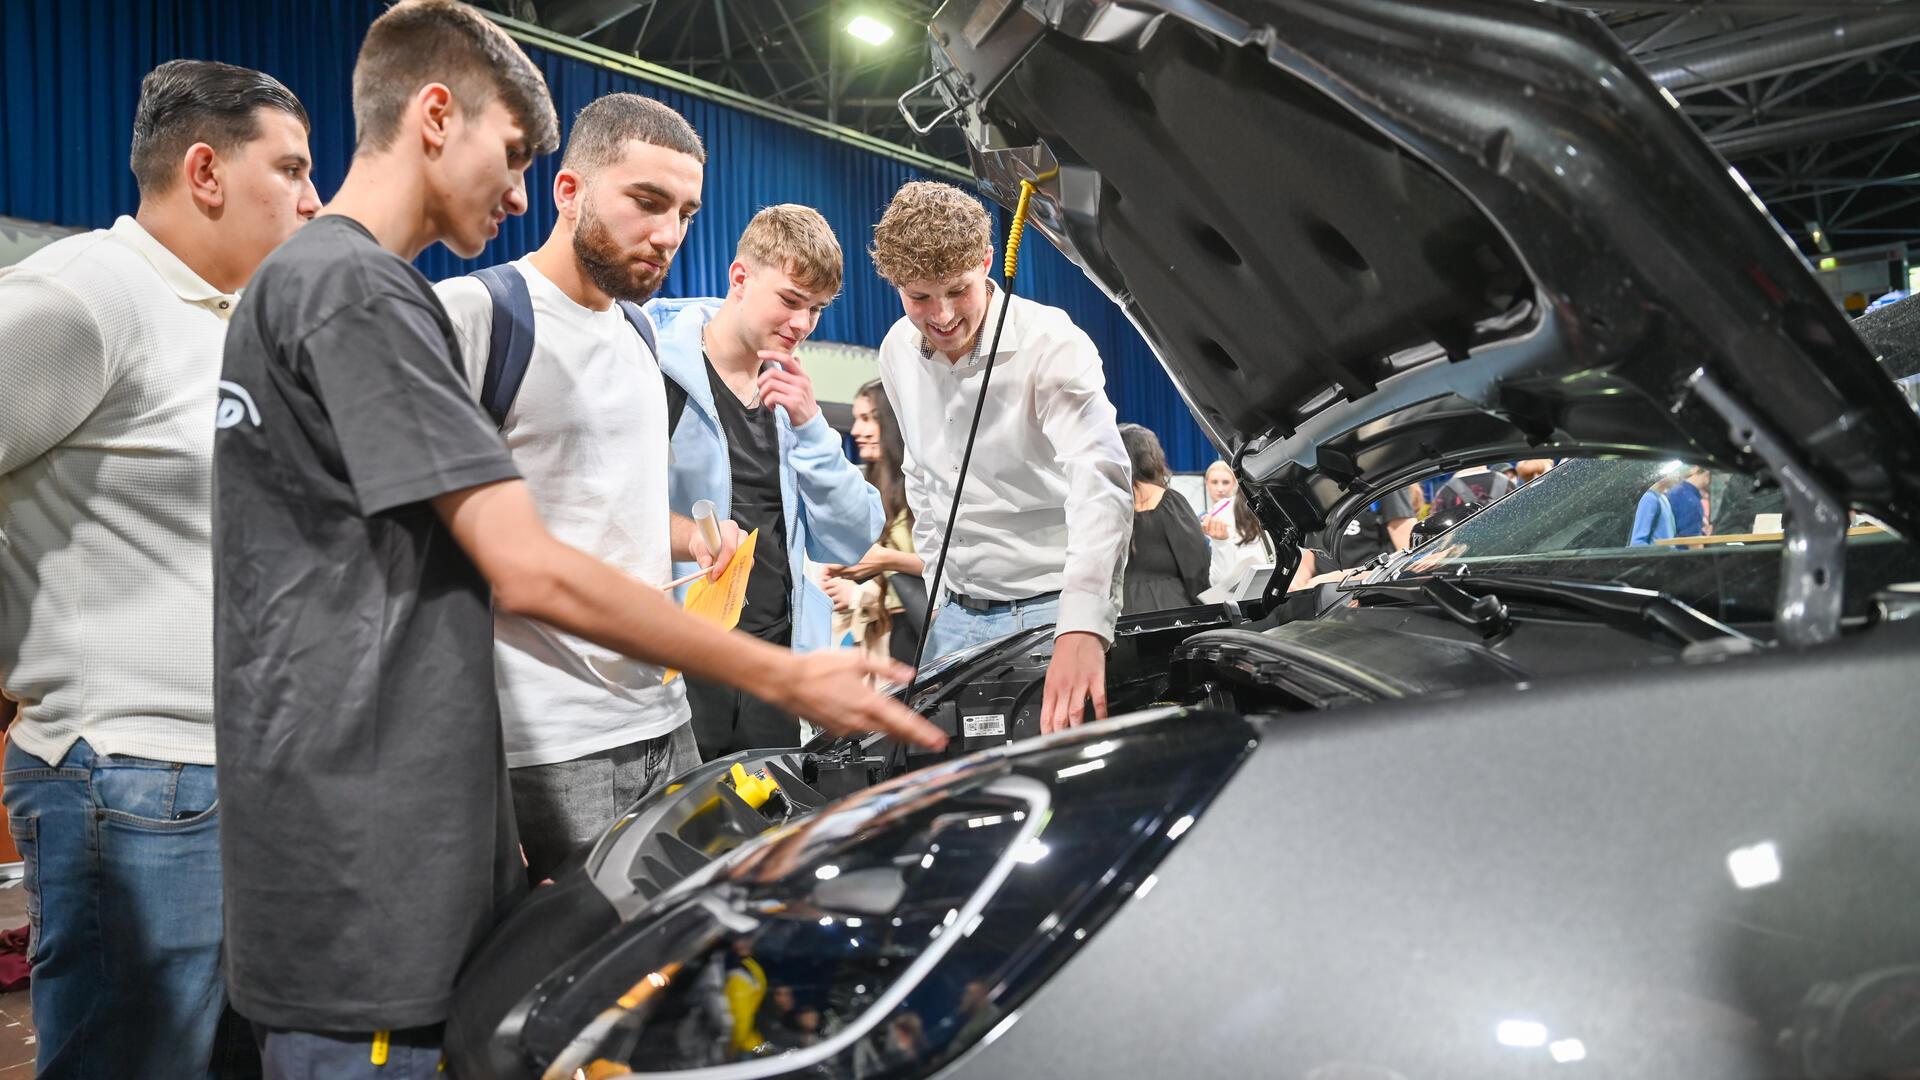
(870, 30)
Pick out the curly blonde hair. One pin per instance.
(798, 240)
(930, 232)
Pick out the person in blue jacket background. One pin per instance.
(751, 439)
(1653, 516)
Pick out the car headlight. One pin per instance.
(893, 930)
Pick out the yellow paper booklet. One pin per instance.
(723, 600)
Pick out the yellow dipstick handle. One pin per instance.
(1019, 227)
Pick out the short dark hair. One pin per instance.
(608, 123)
(184, 102)
(1143, 451)
(418, 42)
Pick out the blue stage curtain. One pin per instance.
(70, 74)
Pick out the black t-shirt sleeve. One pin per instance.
(386, 371)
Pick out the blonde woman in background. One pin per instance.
(1233, 532)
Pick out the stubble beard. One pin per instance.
(610, 271)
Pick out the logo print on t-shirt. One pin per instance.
(235, 405)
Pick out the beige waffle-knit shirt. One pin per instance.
(109, 382)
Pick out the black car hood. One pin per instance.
(1372, 239)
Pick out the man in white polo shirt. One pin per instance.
(110, 349)
(1046, 513)
(589, 731)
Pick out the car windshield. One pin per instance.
(1711, 539)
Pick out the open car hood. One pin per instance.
(1374, 239)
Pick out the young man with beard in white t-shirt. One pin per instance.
(588, 731)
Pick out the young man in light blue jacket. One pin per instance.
(752, 440)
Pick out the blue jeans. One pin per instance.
(122, 867)
(955, 628)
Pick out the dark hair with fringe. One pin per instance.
(419, 42)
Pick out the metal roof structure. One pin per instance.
(1816, 102)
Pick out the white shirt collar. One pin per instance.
(537, 279)
(179, 277)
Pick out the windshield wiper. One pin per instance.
(1479, 602)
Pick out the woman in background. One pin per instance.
(1236, 535)
(866, 595)
(1168, 566)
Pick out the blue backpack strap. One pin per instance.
(642, 323)
(676, 394)
(510, 348)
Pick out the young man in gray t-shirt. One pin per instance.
(365, 510)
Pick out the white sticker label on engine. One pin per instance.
(990, 724)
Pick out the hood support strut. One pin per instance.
(1808, 609)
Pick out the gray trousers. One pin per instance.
(413, 1054)
(565, 806)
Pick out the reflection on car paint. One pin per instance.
(898, 930)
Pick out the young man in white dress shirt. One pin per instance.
(1046, 512)
(110, 346)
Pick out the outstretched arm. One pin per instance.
(538, 577)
